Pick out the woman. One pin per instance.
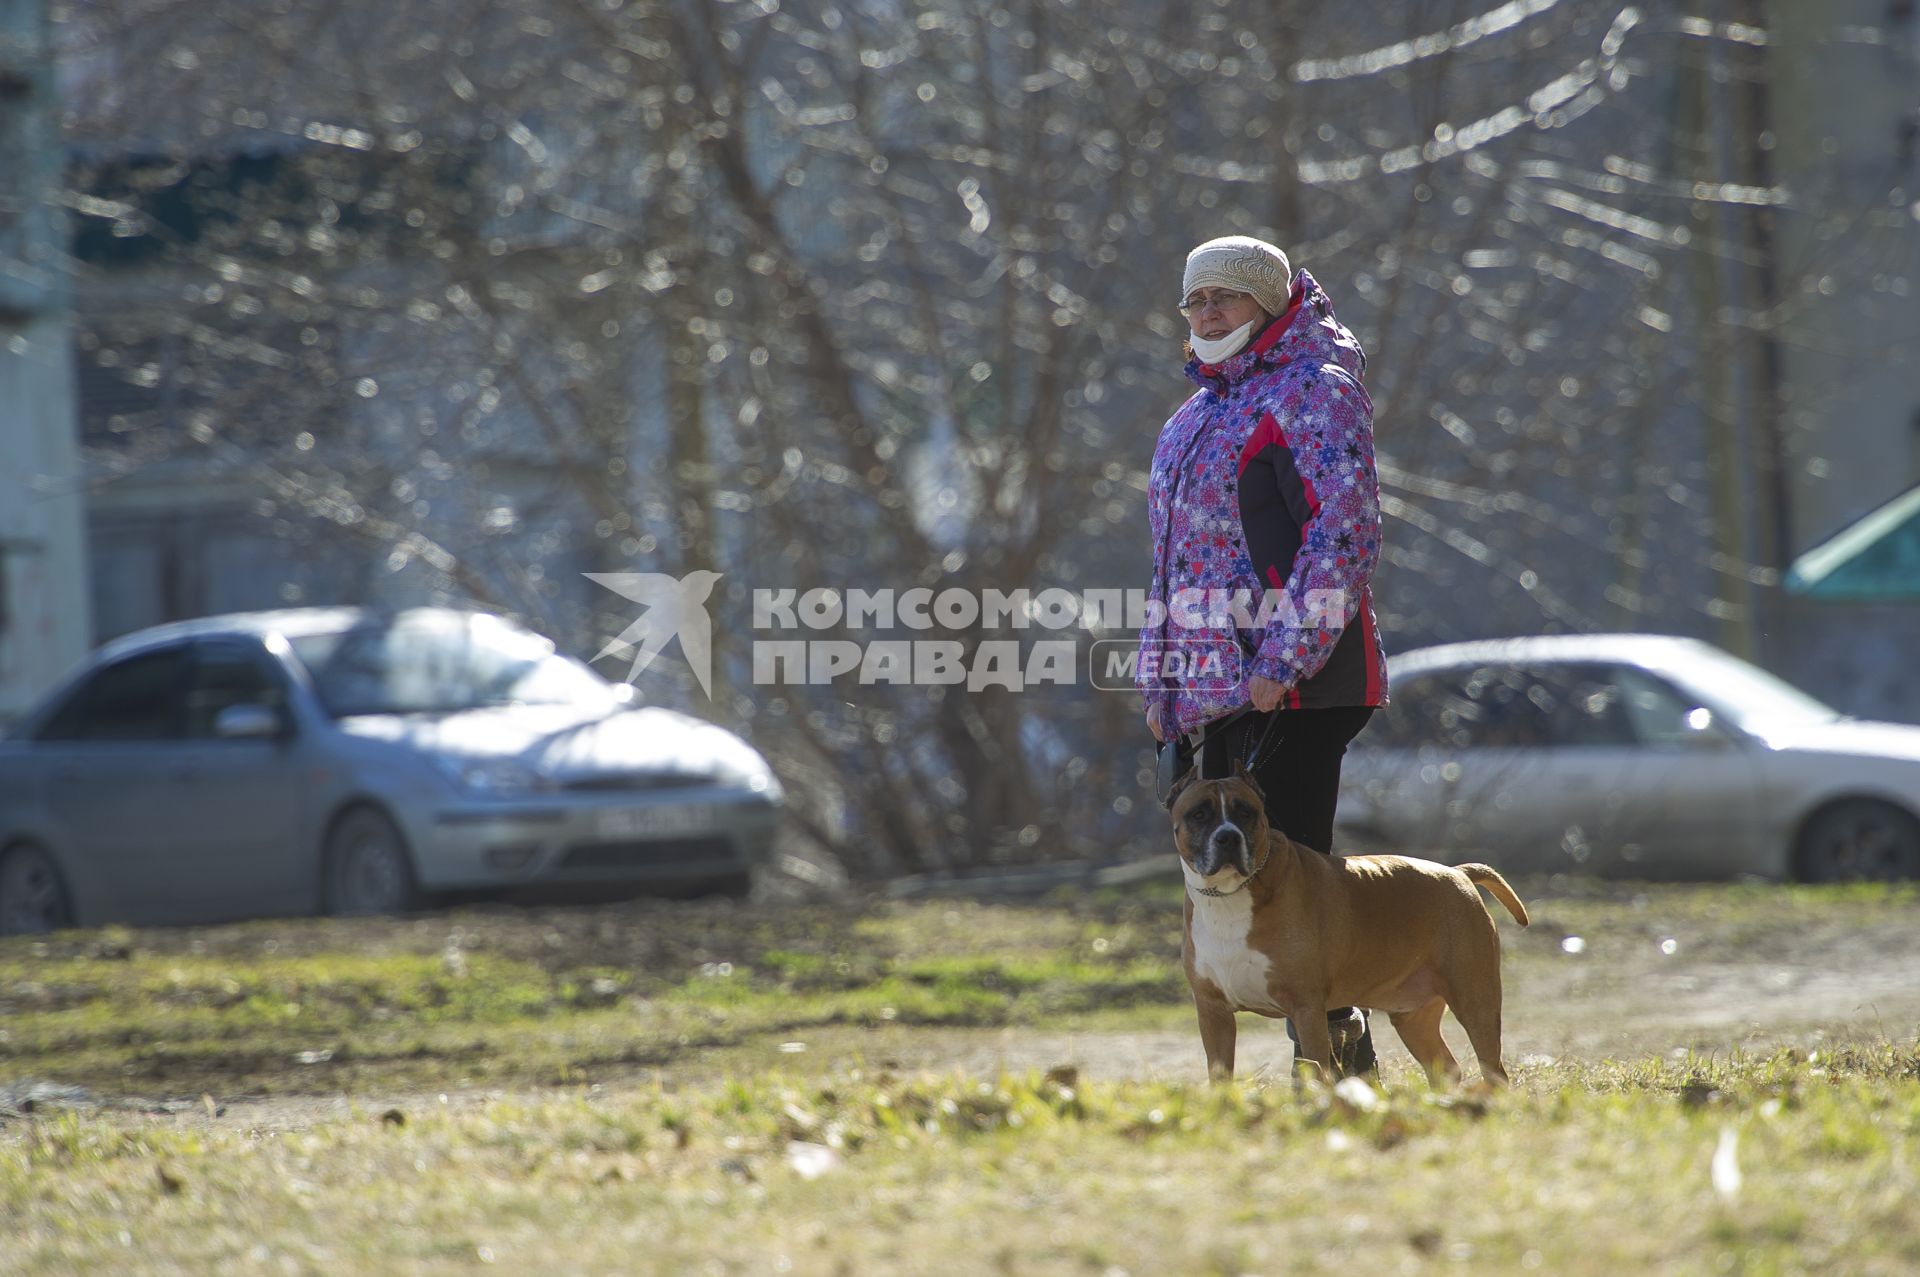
(1263, 487)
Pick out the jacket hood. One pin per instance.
(1308, 334)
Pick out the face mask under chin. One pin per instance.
(1212, 352)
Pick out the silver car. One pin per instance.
(1632, 756)
(350, 762)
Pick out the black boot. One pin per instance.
(1352, 1035)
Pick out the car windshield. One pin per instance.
(442, 662)
(1748, 695)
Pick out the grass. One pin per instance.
(687, 1089)
(492, 997)
(508, 997)
(1580, 1169)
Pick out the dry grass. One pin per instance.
(1580, 1169)
(645, 1118)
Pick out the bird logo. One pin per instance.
(672, 607)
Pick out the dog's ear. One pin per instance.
(1240, 772)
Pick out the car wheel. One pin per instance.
(1858, 840)
(32, 896)
(367, 870)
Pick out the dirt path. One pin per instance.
(1604, 973)
(1620, 996)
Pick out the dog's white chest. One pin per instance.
(1223, 955)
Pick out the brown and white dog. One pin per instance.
(1278, 928)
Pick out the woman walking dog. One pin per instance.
(1263, 485)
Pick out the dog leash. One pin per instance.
(1178, 747)
(1273, 721)
(1220, 726)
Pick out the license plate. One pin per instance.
(653, 822)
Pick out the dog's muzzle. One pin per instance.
(1225, 848)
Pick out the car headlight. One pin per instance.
(493, 777)
(743, 766)
(766, 784)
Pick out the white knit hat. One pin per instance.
(1243, 262)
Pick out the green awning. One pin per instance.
(1875, 560)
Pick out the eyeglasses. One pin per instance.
(1224, 299)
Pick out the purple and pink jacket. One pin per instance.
(1265, 479)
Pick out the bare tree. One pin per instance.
(879, 294)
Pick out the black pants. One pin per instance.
(1299, 770)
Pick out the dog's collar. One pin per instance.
(1242, 885)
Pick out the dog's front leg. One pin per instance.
(1218, 1031)
(1316, 1042)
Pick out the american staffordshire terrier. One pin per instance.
(1276, 927)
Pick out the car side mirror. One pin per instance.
(247, 722)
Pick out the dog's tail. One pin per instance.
(1486, 876)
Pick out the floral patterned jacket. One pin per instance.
(1263, 489)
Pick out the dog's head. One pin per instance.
(1220, 826)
